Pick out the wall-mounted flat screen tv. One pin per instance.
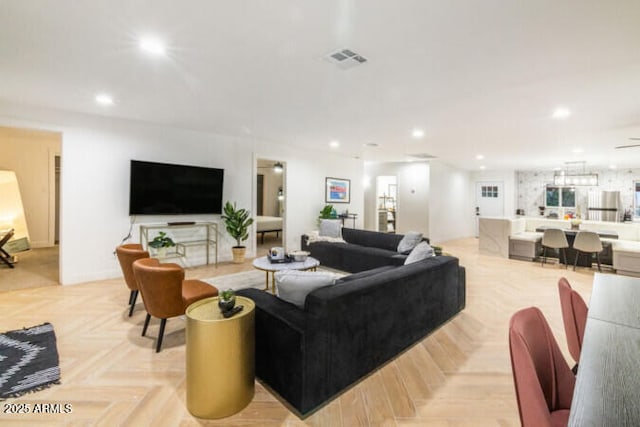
(167, 189)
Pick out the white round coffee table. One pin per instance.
(269, 267)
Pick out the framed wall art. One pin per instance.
(337, 190)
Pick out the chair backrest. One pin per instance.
(587, 241)
(543, 380)
(161, 287)
(574, 315)
(127, 254)
(554, 238)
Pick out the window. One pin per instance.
(560, 197)
(636, 198)
(489, 191)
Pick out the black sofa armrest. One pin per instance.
(280, 345)
(284, 312)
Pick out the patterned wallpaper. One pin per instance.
(531, 186)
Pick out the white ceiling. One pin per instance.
(480, 77)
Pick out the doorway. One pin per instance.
(489, 200)
(270, 205)
(34, 156)
(386, 197)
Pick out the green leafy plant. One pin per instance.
(227, 294)
(328, 212)
(237, 222)
(162, 241)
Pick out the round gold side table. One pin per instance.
(220, 358)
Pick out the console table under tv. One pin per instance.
(185, 235)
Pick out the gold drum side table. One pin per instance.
(220, 358)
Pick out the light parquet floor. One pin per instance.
(458, 376)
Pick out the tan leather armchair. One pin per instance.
(127, 254)
(165, 292)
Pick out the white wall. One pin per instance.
(414, 200)
(95, 181)
(433, 198)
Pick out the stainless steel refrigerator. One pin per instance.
(605, 206)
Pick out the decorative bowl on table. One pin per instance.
(299, 256)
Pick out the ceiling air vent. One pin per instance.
(422, 156)
(345, 58)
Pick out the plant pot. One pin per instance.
(238, 254)
(226, 305)
(160, 252)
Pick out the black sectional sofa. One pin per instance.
(362, 250)
(349, 329)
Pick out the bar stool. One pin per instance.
(589, 243)
(554, 238)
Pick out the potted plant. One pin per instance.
(226, 300)
(160, 243)
(328, 212)
(237, 222)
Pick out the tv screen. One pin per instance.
(166, 189)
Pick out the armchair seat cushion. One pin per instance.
(195, 290)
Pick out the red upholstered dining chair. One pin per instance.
(574, 315)
(127, 254)
(165, 292)
(543, 381)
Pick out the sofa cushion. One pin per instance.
(409, 241)
(372, 239)
(420, 252)
(365, 273)
(294, 285)
(356, 258)
(330, 228)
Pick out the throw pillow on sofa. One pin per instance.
(409, 241)
(293, 285)
(330, 228)
(421, 251)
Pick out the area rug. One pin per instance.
(244, 280)
(28, 360)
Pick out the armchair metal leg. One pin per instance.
(564, 255)
(146, 324)
(598, 260)
(163, 322)
(575, 262)
(544, 256)
(132, 301)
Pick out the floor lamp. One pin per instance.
(12, 213)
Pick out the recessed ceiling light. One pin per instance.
(557, 169)
(561, 113)
(483, 167)
(152, 46)
(613, 167)
(577, 151)
(479, 157)
(417, 133)
(334, 144)
(104, 99)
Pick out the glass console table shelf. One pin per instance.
(185, 236)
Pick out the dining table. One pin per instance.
(608, 380)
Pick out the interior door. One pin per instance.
(489, 200)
